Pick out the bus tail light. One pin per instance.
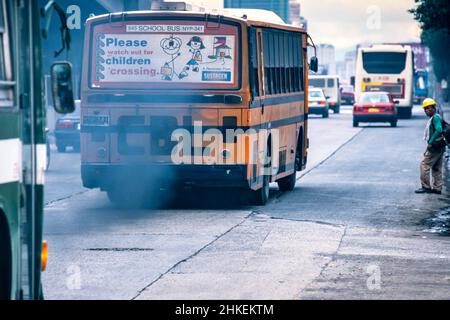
(323, 103)
(44, 255)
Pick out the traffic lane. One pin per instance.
(98, 251)
(63, 177)
(368, 186)
(326, 136)
(370, 181)
(96, 248)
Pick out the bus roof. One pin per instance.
(252, 17)
(386, 47)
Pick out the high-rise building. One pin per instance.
(295, 15)
(327, 58)
(280, 7)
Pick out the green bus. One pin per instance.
(23, 145)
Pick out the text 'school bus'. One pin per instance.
(23, 253)
(388, 68)
(185, 98)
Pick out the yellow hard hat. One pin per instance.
(428, 102)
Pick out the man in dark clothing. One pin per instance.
(433, 156)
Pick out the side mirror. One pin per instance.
(314, 64)
(396, 102)
(328, 97)
(62, 88)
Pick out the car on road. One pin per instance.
(375, 107)
(347, 95)
(67, 130)
(317, 102)
(330, 86)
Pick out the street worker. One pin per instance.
(433, 156)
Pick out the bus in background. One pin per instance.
(388, 68)
(330, 86)
(155, 79)
(23, 253)
(421, 84)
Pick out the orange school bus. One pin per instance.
(175, 99)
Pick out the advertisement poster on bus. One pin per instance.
(154, 55)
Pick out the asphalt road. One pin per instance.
(352, 229)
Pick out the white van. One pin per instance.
(330, 86)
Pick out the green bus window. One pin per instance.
(2, 47)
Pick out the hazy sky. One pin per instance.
(344, 23)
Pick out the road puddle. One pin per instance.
(439, 223)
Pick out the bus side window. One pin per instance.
(267, 75)
(6, 85)
(301, 85)
(254, 76)
(297, 62)
(291, 63)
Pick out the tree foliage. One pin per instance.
(434, 19)
(433, 14)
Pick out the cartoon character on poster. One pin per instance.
(171, 46)
(221, 51)
(196, 45)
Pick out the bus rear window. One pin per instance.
(384, 62)
(164, 54)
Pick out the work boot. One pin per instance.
(436, 191)
(424, 190)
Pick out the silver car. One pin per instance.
(317, 102)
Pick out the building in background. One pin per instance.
(295, 15)
(326, 55)
(346, 68)
(280, 7)
(190, 5)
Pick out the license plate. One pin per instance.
(374, 110)
(96, 120)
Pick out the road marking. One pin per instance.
(10, 160)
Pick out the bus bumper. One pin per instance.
(106, 176)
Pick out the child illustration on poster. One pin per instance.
(171, 46)
(196, 45)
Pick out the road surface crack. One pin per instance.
(252, 213)
(325, 266)
(311, 221)
(50, 203)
